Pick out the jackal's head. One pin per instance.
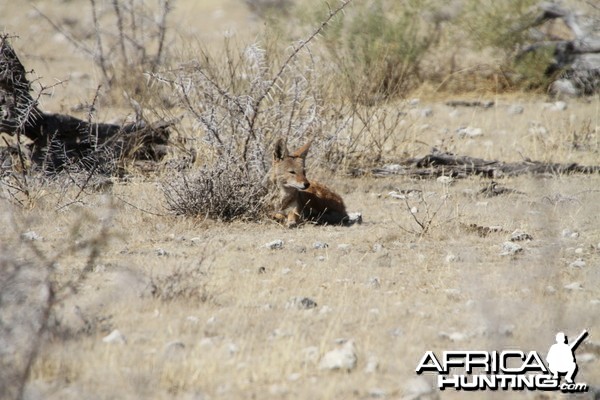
(288, 169)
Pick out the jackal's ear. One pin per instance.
(302, 151)
(280, 150)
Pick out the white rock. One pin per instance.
(567, 233)
(344, 246)
(579, 263)
(445, 180)
(574, 286)
(377, 247)
(320, 245)
(31, 236)
(372, 365)
(342, 358)
(515, 109)
(469, 132)
(450, 258)
(161, 252)
(510, 248)
(454, 336)
(275, 245)
(115, 337)
(520, 235)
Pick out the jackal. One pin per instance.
(309, 201)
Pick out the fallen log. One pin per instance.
(446, 164)
(59, 141)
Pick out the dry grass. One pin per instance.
(205, 306)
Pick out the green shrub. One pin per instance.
(377, 47)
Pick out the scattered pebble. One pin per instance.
(510, 249)
(174, 349)
(426, 112)
(450, 258)
(115, 337)
(372, 365)
(342, 358)
(469, 132)
(374, 282)
(161, 252)
(454, 336)
(567, 233)
(302, 303)
(320, 245)
(515, 109)
(31, 236)
(275, 245)
(445, 180)
(355, 218)
(519, 235)
(579, 263)
(574, 286)
(377, 247)
(344, 246)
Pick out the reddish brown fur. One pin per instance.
(307, 200)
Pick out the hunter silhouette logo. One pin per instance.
(561, 356)
(507, 369)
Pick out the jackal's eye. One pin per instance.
(292, 172)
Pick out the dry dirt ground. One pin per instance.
(207, 311)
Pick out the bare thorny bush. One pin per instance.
(125, 38)
(240, 101)
(32, 289)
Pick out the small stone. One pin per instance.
(450, 258)
(469, 132)
(519, 235)
(262, 270)
(342, 358)
(560, 106)
(426, 112)
(174, 349)
(372, 365)
(515, 109)
(275, 245)
(355, 218)
(286, 271)
(31, 236)
(374, 282)
(414, 210)
(115, 337)
(445, 180)
(161, 252)
(320, 245)
(510, 248)
(574, 286)
(344, 246)
(377, 247)
(454, 336)
(302, 303)
(567, 233)
(579, 263)
(579, 250)
(549, 289)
